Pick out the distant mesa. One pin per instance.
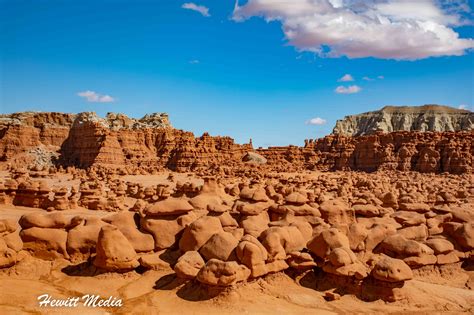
(406, 118)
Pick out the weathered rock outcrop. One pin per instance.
(425, 152)
(406, 118)
(149, 144)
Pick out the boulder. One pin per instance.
(336, 211)
(53, 220)
(141, 242)
(440, 246)
(222, 273)
(323, 243)
(46, 243)
(169, 206)
(391, 270)
(199, 232)
(220, 246)
(252, 157)
(164, 231)
(114, 251)
(189, 265)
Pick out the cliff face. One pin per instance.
(426, 152)
(22, 132)
(23, 135)
(151, 144)
(406, 118)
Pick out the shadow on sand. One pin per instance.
(188, 290)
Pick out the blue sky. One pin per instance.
(245, 71)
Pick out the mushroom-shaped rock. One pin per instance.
(83, 237)
(400, 246)
(189, 265)
(169, 206)
(336, 211)
(141, 242)
(199, 232)
(409, 218)
(296, 198)
(279, 241)
(366, 210)
(220, 246)
(301, 261)
(251, 208)
(391, 270)
(253, 254)
(417, 233)
(254, 194)
(222, 273)
(54, 220)
(164, 230)
(343, 262)
(114, 251)
(462, 233)
(415, 206)
(255, 224)
(322, 244)
(440, 246)
(45, 242)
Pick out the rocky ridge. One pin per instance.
(147, 145)
(406, 118)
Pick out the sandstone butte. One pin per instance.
(135, 209)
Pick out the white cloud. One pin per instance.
(194, 61)
(198, 8)
(387, 29)
(381, 77)
(94, 97)
(346, 78)
(463, 106)
(352, 89)
(316, 121)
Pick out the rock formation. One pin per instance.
(47, 141)
(406, 118)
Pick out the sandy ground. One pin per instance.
(160, 292)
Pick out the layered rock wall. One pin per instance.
(150, 144)
(406, 118)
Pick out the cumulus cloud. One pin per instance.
(194, 61)
(346, 78)
(94, 97)
(352, 89)
(463, 106)
(387, 29)
(198, 8)
(316, 121)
